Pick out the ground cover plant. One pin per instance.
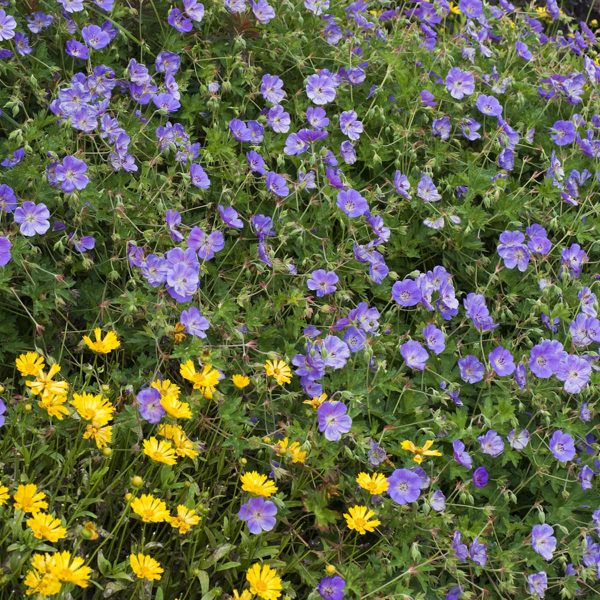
(298, 300)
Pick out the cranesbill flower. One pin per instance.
(573, 258)
(150, 406)
(404, 486)
(426, 190)
(471, 369)
(543, 540)
(350, 125)
(199, 177)
(8, 199)
(194, 10)
(491, 443)
(585, 477)
(323, 282)
(441, 128)
(562, 446)
(461, 456)
(406, 293)
(333, 420)
(206, 245)
(460, 549)
(317, 117)
(478, 552)
(259, 515)
(331, 588)
(271, 88)
(480, 477)
(545, 358)
(263, 11)
(194, 322)
(402, 185)
(352, 203)
(537, 583)
(434, 338)
(32, 218)
(276, 184)
(459, 83)
(502, 361)
(575, 372)
(71, 174)
(563, 133)
(321, 88)
(414, 355)
(7, 26)
(488, 105)
(438, 501)
(518, 440)
(179, 21)
(5, 255)
(278, 119)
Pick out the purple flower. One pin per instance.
(276, 184)
(441, 128)
(438, 501)
(321, 88)
(406, 293)
(150, 407)
(263, 11)
(76, 49)
(263, 226)
(545, 357)
(480, 477)
(331, 588)
(404, 486)
(377, 454)
(333, 420)
(352, 203)
(477, 311)
(543, 540)
(194, 322)
(230, 217)
(294, 145)
(473, 9)
(206, 245)
(5, 246)
(573, 258)
(562, 446)
(271, 88)
(194, 10)
(575, 372)
(585, 477)
(470, 128)
(402, 185)
(537, 583)
(459, 83)
(350, 125)
(278, 119)
(434, 338)
(491, 443)
(461, 456)
(454, 593)
(317, 117)
(32, 218)
(518, 441)
(95, 37)
(471, 369)
(179, 21)
(323, 282)
(460, 549)
(563, 133)
(488, 105)
(502, 361)
(355, 339)
(8, 199)
(478, 553)
(7, 26)
(173, 220)
(513, 251)
(82, 244)
(426, 190)
(71, 174)
(259, 515)
(414, 355)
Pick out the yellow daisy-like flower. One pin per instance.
(316, 401)
(44, 384)
(374, 484)
(206, 380)
(419, 452)
(101, 435)
(4, 495)
(245, 595)
(454, 9)
(183, 445)
(54, 405)
(264, 582)
(96, 409)
(169, 399)
(359, 518)
(70, 569)
(102, 345)
(39, 580)
(30, 363)
(293, 450)
(46, 527)
(240, 381)
(145, 567)
(160, 451)
(278, 370)
(28, 499)
(150, 509)
(258, 484)
(186, 519)
(179, 333)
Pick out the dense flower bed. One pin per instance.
(298, 300)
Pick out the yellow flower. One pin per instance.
(245, 595)
(240, 381)
(101, 435)
(293, 450)
(316, 401)
(160, 451)
(54, 405)
(44, 384)
(169, 399)
(374, 484)
(96, 409)
(258, 484)
(278, 370)
(70, 569)
(179, 333)
(145, 567)
(150, 509)
(542, 12)
(4, 495)
(46, 527)
(102, 346)
(418, 451)
(454, 9)
(206, 380)
(39, 580)
(89, 531)
(359, 518)
(186, 519)
(29, 500)
(264, 582)
(30, 363)
(183, 445)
